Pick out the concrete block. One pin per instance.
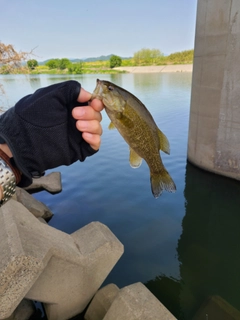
(101, 302)
(37, 208)
(136, 302)
(44, 264)
(51, 183)
(42, 220)
(24, 310)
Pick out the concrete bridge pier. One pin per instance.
(214, 130)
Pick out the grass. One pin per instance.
(87, 68)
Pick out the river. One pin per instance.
(182, 246)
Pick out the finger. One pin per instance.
(86, 113)
(90, 126)
(96, 104)
(93, 139)
(84, 96)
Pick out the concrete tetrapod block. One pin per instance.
(37, 208)
(51, 183)
(101, 302)
(136, 302)
(44, 264)
(24, 310)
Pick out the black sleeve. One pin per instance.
(41, 132)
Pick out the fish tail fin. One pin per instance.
(161, 181)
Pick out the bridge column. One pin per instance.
(214, 130)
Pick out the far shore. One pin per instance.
(170, 68)
(158, 69)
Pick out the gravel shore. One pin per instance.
(158, 69)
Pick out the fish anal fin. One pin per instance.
(134, 159)
(111, 126)
(164, 143)
(161, 181)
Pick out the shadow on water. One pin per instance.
(208, 251)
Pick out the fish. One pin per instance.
(138, 128)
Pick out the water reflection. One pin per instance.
(167, 290)
(179, 81)
(35, 82)
(208, 251)
(148, 81)
(208, 247)
(115, 78)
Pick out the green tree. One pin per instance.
(155, 56)
(115, 61)
(76, 68)
(4, 70)
(32, 64)
(147, 56)
(185, 56)
(64, 63)
(52, 64)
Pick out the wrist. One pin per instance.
(7, 182)
(10, 175)
(5, 148)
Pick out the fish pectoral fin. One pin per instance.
(111, 126)
(164, 143)
(134, 159)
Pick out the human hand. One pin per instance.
(56, 125)
(89, 118)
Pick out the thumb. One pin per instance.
(84, 96)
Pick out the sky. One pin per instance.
(91, 28)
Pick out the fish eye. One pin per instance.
(110, 88)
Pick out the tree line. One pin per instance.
(77, 67)
(11, 61)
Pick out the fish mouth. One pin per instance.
(98, 91)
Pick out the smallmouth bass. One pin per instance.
(138, 128)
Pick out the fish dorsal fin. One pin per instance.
(111, 126)
(134, 159)
(164, 144)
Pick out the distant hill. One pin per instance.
(101, 58)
